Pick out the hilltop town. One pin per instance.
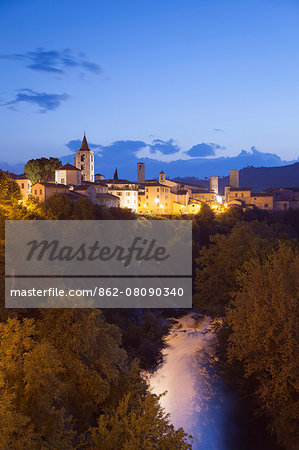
(160, 196)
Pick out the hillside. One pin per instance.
(258, 178)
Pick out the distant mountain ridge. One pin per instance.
(258, 178)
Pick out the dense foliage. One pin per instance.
(265, 336)
(247, 272)
(42, 169)
(66, 382)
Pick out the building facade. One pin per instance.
(42, 191)
(68, 174)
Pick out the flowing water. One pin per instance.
(196, 397)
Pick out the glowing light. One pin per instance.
(144, 205)
(157, 200)
(218, 199)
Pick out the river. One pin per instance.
(196, 397)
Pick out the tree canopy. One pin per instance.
(264, 321)
(66, 382)
(42, 169)
(218, 264)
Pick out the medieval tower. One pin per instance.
(84, 161)
(140, 173)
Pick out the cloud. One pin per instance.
(125, 154)
(165, 147)
(53, 61)
(202, 150)
(218, 130)
(46, 102)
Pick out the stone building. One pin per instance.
(23, 182)
(42, 191)
(125, 190)
(156, 198)
(68, 174)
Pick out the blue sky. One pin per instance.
(220, 73)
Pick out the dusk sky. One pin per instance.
(224, 73)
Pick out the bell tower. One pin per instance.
(84, 161)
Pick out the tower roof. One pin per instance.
(84, 144)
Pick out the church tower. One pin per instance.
(84, 161)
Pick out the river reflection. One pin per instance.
(196, 397)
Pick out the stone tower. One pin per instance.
(84, 161)
(214, 184)
(234, 178)
(161, 177)
(140, 173)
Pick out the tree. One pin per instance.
(42, 169)
(9, 189)
(83, 209)
(215, 279)
(138, 425)
(59, 206)
(265, 335)
(203, 225)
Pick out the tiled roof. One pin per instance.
(118, 181)
(74, 195)
(82, 187)
(241, 189)
(156, 183)
(201, 191)
(48, 184)
(107, 195)
(68, 166)
(14, 176)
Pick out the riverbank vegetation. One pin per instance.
(247, 273)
